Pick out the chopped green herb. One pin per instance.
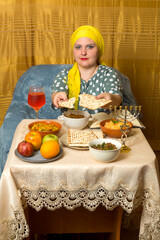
(114, 121)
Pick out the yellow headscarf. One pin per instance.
(74, 75)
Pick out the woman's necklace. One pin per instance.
(88, 76)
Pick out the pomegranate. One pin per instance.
(25, 149)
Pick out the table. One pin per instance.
(76, 180)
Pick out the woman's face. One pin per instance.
(85, 52)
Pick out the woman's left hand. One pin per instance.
(107, 96)
(115, 98)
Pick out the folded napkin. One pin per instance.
(97, 118)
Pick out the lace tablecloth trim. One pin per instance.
(152, 229)
(151, 209)
(89, 199)
(17, 228)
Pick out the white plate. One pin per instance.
(37, 157)
(63, 140)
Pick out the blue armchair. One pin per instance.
(19, 109)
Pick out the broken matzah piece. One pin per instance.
(90, 102)
(68, 104)
(98, 133)
(82, 137)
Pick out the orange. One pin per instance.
(49, 149)
(35, 138)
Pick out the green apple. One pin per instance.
(50, 137)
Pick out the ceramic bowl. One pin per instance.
(105, 155)
(45, 127)
(111, 132)
(75, 123)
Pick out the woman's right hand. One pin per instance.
(57, 97)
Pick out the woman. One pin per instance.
(89, 74)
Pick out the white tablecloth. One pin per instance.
(77, 179)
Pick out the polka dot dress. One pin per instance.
(104, 80)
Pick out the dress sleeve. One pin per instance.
(111, 82)
(60, 82)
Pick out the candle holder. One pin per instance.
(128, 113)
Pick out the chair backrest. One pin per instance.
(128, 97)
(39, 75)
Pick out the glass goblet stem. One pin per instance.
(36, 113)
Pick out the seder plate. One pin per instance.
(37, 157)
(63, 140)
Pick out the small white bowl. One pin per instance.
(105, 155)
(75, 123)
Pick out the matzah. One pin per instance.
(82, 137)
(90, 102)
(68, 104)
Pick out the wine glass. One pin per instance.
(36, 98)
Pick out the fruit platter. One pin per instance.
(36, 148)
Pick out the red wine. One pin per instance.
(36, 100)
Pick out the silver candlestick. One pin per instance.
(124, 115)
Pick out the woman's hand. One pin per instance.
(116, 99)
(57, 97)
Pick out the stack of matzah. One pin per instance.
(68, 104)
(83, 137)
(90, 102)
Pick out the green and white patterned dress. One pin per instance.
(104, 80)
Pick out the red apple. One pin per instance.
(25, 149)
(35, 138)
